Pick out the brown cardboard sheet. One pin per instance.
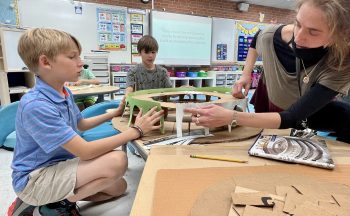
(177, 190)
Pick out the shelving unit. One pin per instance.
(119, 73)
(225, 78)
(99, 65)
(15, 79)
(192, 81)
(119, 80)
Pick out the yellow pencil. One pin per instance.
(218, 158)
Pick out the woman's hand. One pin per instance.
(211, 116)
(243, 82)
(147, 121)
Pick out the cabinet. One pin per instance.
(119, 80)
(15, 78)
(192, 81)
(99, 66)
(225, 78)
(119, 73)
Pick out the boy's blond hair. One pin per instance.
(43, 41)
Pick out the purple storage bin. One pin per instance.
(180, 74)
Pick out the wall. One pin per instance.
(214, 8)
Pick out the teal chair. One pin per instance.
(106, 129)
(7, 126)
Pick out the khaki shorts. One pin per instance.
(51, 184)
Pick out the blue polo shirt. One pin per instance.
(45, 121)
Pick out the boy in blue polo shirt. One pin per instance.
(53, 167)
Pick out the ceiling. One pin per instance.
(284, 4)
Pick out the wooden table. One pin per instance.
(92, 90)
(177, 157)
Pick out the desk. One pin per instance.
(91, 90)
(177, 157)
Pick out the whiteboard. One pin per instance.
(183, 39)
(224, 32)
(9, 41)
(60, 14)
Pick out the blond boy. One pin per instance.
(53, 167)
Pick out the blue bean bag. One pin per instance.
(104, 130)
(7, 126)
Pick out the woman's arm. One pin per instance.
(215, 116)
(311, 102)
(245, 80)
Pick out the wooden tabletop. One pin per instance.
(177, 157)
(89, 90)
(167, 157)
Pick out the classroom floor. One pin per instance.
(120, 207)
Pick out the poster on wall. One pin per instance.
(136, 18)
(136, 30)
(245, 34)
(221, 51)
(111, 29)
(135, 38)
(8, 15)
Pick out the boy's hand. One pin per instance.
(147, 121)
(121, 107)
(78, 83)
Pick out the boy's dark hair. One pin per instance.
(148, 44)
(85, 66)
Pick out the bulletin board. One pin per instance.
(8, 12)
(81, 20)
(223, 41)
(245, 32)
(9, 42)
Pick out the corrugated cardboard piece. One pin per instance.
(177, 191)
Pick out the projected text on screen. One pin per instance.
(182, 39)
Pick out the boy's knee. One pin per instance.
(118, 163)
(123, 186)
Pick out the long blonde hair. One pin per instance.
(338, 21)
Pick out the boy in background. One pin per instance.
(86, 78)
(53, 167)
(147, 75)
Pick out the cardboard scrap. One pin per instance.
(283, 190)
(278, 208)
(342, 200)
(220, 193)
(314, 190)
(294, 199)
(254, 211)
(254, 199)
(311, 209)
(236, 210)
(239, 189)
(183, 188)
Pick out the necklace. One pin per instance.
(306, 78)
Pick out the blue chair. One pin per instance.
(7, 126)
(106, 129)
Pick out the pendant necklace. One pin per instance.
(306, 78)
